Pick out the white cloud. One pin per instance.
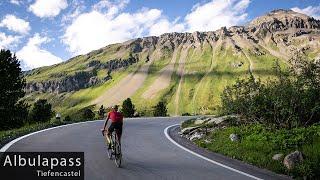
(76, 8)
(313, 11)
(95, 29)
(48, 8)
(33, 56)
(206, 17)
(110, 8)
(106, 23)
(15, 24)
(7, 42)
(165, 26)
(216, 14)
(16, 2)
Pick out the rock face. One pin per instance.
(204, 125)
(196, 136)
(188, 130)
(82, 79)
(202, 120)
(218, 120)
(292, 159)
(280, 33)
(279, 20)
(69, 83)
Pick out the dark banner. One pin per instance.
(42, 165)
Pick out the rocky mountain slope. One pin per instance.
(186, 70)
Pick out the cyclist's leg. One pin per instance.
(110, 130)
(119, 131)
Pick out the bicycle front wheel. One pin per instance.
(109, 151)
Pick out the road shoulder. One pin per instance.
(226, 161)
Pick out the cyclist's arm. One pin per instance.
(106, 122)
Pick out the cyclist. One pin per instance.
(116, 123)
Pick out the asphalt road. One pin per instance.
(147, 152)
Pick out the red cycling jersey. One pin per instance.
(115, 116)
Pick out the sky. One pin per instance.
(46, 32)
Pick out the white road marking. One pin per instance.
(202, 157)
(8, 145)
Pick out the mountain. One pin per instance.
(186, 70)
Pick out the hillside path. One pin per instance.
(125, 88)
(163, 80)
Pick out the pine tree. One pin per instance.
(160, 109)
(41, 111)
(101, 112)
(128, 108)
(13, 112)
(87, 114)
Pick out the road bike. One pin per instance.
(115, 151)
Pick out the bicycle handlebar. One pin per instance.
(102, 131)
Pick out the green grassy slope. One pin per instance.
(208, 69)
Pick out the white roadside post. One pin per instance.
(58, 117)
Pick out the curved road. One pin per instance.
(147, 153)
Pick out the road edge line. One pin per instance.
(202, 157)
(9, 144)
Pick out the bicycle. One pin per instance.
(115, 150)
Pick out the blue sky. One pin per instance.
(46, 32)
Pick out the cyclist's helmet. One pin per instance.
(115, 107)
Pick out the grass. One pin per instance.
(273, 46)
(83, 98)
(258, 144)
(169, 94)
(263, 65)
(145, 105)
(70, 103)
(76, 64)
(187, 123)
(207, 92)
(8, 135)
(206, 75)
(311, 55)
(198, 62)
(65, 68)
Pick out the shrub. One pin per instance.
(41, 111)
(187, 123)
(291, 100)
(258, 144)
(67, 118)
(128, 109)
(186, 114)
(87, 114)
(101, 112)
(20, 114)
(160, 109)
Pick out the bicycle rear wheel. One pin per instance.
(117, 152)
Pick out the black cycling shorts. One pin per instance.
(115, 125)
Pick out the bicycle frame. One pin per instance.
(115, 150)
